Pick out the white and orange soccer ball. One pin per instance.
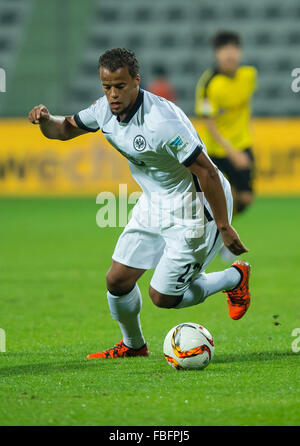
(189, 346)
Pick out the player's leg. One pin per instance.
(179, 280)
(163, 300)
(137, 250)
(182, 290)
(197, 290)
(234, 280)
(242, 184)
(121, 279)
(125, 302)
(178, 284)
(244, 199)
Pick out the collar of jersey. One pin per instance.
(134, 109)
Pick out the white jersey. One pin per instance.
(159, 142)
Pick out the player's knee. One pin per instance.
(117, 284)
(162, 300)
(157, 300)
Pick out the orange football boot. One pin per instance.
(120, 351)
(239, 298)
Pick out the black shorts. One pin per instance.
(240, 179)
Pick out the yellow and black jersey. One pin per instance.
(228, 100)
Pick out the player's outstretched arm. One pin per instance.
(54, 127)
(214, 193)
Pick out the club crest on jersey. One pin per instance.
(139, 143)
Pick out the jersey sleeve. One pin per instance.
(179, 141)
(86, 119)
(206, 101)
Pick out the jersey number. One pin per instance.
(184, 277)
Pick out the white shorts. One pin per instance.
(177, 258)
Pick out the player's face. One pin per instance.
(120, 88)
(228, 58)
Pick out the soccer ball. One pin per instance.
(189, 346)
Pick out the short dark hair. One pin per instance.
(223, 38)
(116, 58)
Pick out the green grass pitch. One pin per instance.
(54, 312)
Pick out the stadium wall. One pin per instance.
(32, 165)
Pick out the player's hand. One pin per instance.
(240, 159)
(232, 241)
(38, 113)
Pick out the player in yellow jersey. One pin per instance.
(223, 100)
(223, 97)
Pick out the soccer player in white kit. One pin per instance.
(171, 229)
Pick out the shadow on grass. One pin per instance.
(252, 357)
(46, 368)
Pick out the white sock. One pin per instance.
(126, 310)
(208, 284)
